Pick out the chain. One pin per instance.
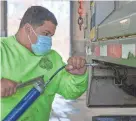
(80, 12)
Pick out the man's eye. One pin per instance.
(46, 34)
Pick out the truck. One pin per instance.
(104, 32)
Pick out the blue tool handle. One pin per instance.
(23, 105)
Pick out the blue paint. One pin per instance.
(23, 105)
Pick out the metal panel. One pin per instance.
(105, 93)
(106, 87)
(115, 118)
(103, 10)
(123, 9)
(101, 111)
(128, 46)
(123, 3)
(119, 61)
(120, 25)
(71, 26)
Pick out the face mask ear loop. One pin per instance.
(34, 32)
(29, 36)
(29, 39)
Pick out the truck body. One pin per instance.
(107, 38)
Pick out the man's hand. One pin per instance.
(76, 65)
(8, 87)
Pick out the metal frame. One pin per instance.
(120, 23)
(3, 17)
(105, 72)
(123, 62)
(122, 27)
(71, 26)
(120, 61)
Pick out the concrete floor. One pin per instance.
(70, 110)
(84, 111)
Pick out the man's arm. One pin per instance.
(71, 86)
(8, 87)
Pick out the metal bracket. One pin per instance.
(30, 82)
(39, 85)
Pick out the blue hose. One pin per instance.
(28, 100)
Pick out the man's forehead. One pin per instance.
(49, 25)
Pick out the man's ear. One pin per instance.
(27, 28)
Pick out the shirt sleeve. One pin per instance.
(1, 39)
(70, 86)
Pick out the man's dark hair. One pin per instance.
(36, 15)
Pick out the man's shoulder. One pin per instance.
(55, 54)
(6, 40)
(3, 39)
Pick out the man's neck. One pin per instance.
(21, 38)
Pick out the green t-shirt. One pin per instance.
(20, 65)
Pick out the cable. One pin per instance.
(46, 83)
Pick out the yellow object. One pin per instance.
(92, 33)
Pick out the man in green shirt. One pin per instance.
(28, 55)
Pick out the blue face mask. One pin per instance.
(42, 46)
